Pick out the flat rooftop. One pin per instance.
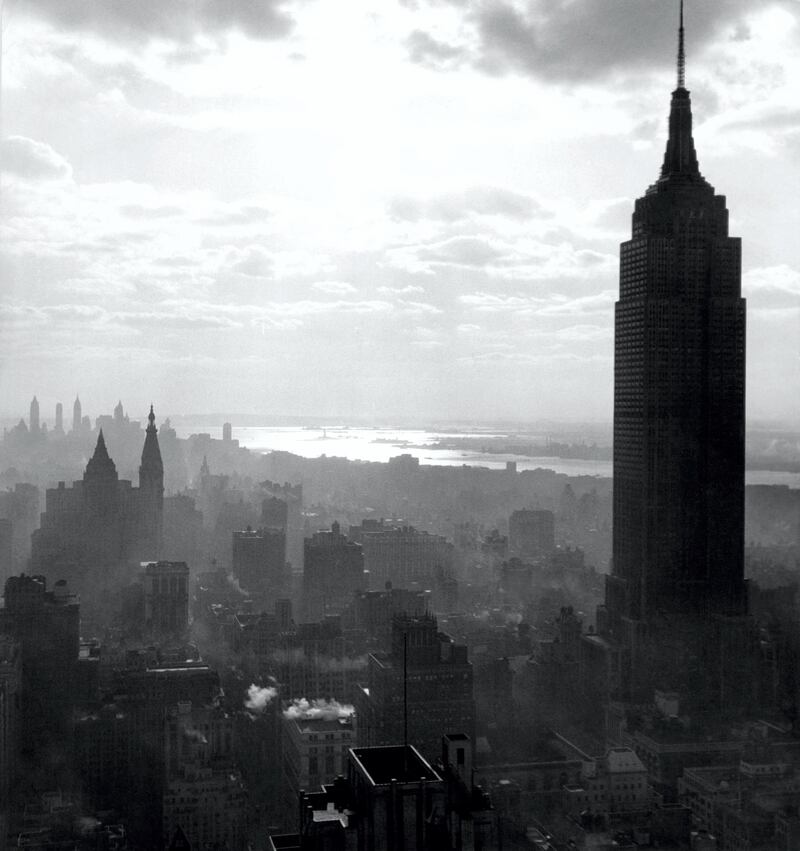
(401, 763)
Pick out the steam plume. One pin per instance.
(329, 710)
(258, 698)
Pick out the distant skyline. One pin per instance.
(407, 210)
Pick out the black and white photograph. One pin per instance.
(400, 409)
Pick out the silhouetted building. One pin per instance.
(393, 799)
(46, 624)
(59, 426)
(10, 694)
(333, 572)
(372, 612)
(101, 527)
(166, 597)
(77, 419)
(34, 426)
(678, 546)
(678, 399)
(259, 559)
(6, 549)
(422, 686)
(204, 797)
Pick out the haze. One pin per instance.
(356, 209)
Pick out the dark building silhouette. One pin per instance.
(34, 418)
(77, 419)
(679, 398)
(101, 524)
(259, 559)
(46, 624)
(166, 597)
(679, 413)
(393, 799)
(151, 489)
(333, 572)
(423, 685)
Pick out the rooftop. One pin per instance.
(400, 763)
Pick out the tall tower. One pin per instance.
(101, 481)
(151, 491)
(76, 416)
(59, 418)
(679, 385)
(34, 419)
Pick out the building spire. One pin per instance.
(681, 53)
(680, 159)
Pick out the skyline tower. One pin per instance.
(151, 489)
(76, 416)
(679, 392)
(34, 416)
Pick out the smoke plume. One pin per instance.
(329, 710)
(258, 697)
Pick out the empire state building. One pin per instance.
(679, 392)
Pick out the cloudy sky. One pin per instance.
(403, 207)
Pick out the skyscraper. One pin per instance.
(151, 489)
(679, 384)
(76, 416)
(34, 418)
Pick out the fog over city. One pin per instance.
(407, 209)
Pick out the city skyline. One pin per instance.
(420, 217)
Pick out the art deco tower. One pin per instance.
(679, 384)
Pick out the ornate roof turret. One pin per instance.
(100, 464)
(152, 467)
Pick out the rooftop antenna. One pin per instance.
(681, 53)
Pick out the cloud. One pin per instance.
(424, 49)
(460, 251)
(571, 40)
(554, 304)
(254, 261)
(334, 287)
(474, 201)
(178, 21)
(777, 279)
(30, 160)
(409, 289)
(139, 211)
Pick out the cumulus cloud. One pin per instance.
(334, 287)
(476, 200)
(30, 160)
(777, 279)
(254, 261)
(178, 21)
(460, 251)
(571, 40)
(554, 304)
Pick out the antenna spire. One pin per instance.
(681, 54)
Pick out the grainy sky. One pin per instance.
(361, 208)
